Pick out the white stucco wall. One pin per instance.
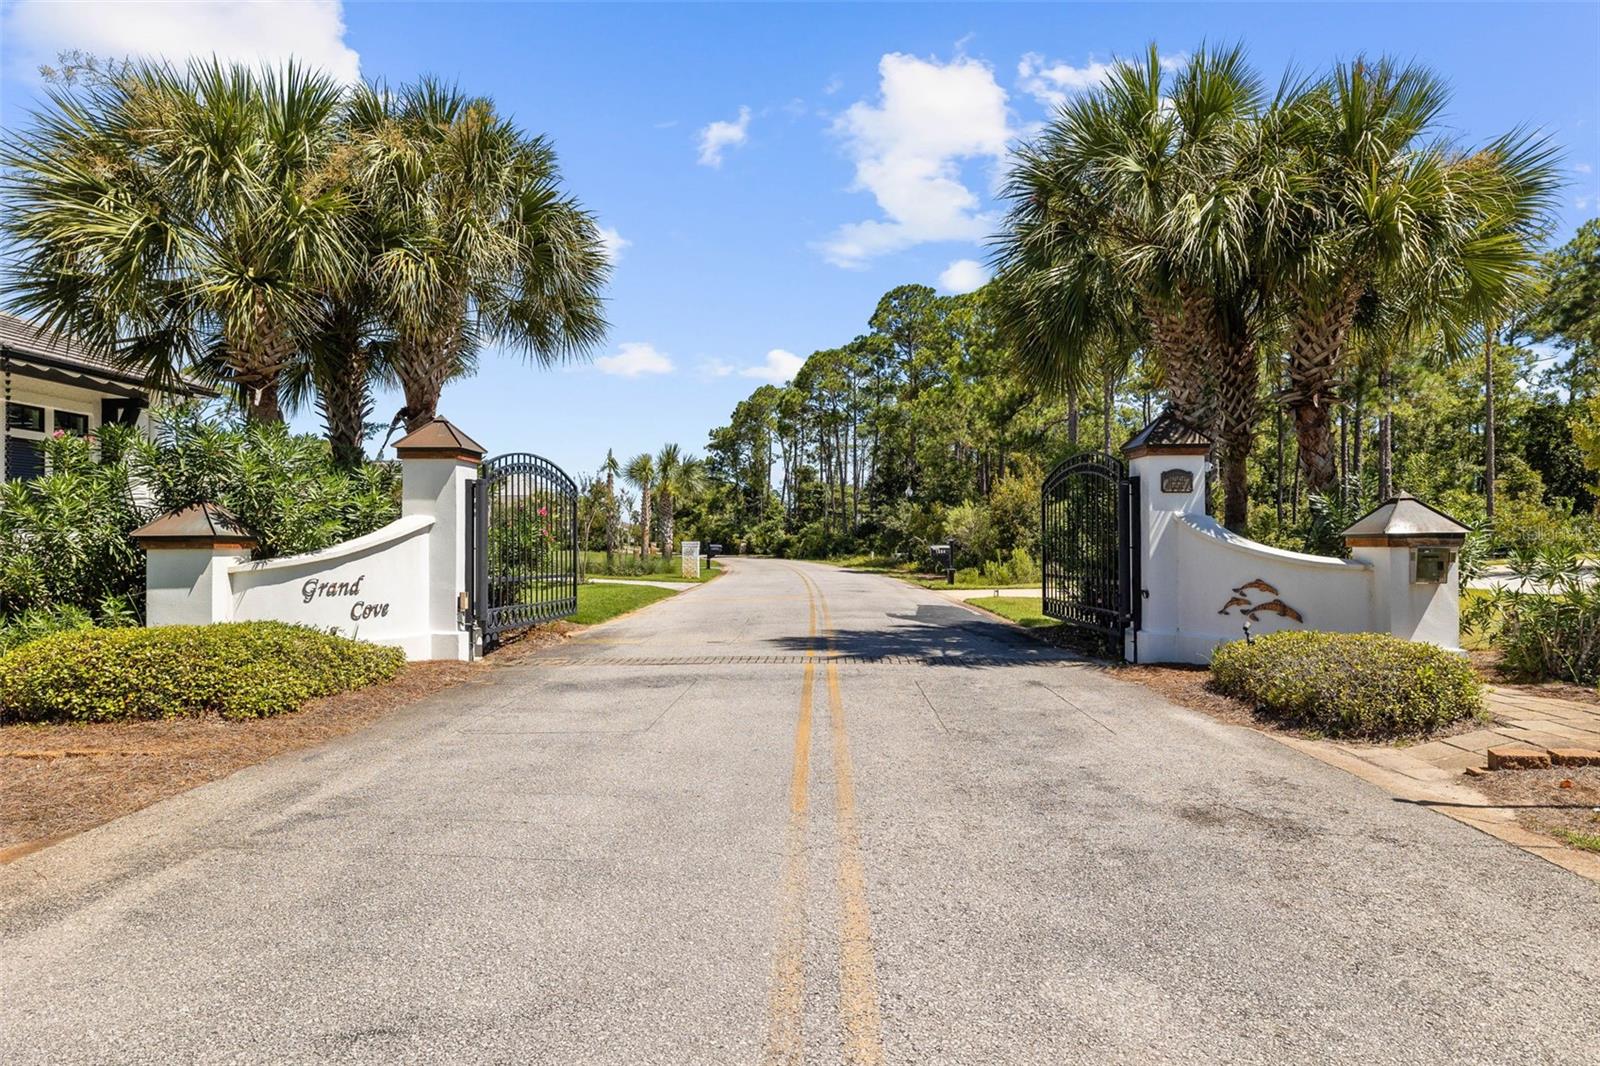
(374, 587)
(398, 585)
(1193, 568)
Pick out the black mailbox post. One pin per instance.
(944, 559)
(712, 551)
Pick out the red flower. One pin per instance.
(544, 512)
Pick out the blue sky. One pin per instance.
(769, 171)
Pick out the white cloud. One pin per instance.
(267, 31)
(963, 275)
(835, 83)
(908, 149)
(1052, 82)
(778, 367)
(1583, 168)
(613, 243)
(715, 368)
(634, 358)
(720, 136)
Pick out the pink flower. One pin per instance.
(544, 511)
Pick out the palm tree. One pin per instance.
(1134, 216)
(1379, 205)
(641, 474)
(611, 469)
(492, 251)
(174, 218)
(678, 477)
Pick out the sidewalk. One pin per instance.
(1520, 720)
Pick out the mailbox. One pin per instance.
(1430, 565)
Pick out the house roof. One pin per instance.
(1403, 515)
(193, 525)
(60, 358)
(1167, 433)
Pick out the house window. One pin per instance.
(25, 416)
(72, 422)
(24, 459)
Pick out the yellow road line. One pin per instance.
(786, 1014)
(858, 969)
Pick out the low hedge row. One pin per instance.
(1350, 684)
(236, 670)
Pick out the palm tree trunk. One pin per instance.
(1385, 435)
(1315, 348)
(666, 523)
(1489, 457)
(644, 521)
(1107, 398)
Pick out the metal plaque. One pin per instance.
(1177, 481)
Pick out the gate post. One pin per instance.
(1168, 460)
(437, 462)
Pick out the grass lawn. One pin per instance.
(654, 569)
(597, 603)
(1024, 610)
(1585, 841)
(909, 572)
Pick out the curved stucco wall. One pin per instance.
(374, 587)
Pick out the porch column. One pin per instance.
(187, 555)
(1169, 459)
(436, 463)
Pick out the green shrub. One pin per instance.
(1350, 684)
(1545, 621)
(37, 622)
(236, 670)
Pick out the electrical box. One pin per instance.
(1431, 566)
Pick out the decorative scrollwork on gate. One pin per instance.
(1086, 537)
(524, 547)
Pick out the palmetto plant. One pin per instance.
(1376, 203)
(641, 474)
(487, 249)
(678, 477)
(1135, 214)
(181, 217)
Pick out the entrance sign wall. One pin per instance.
(401, 585)
(1202, 585)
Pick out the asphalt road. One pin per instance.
(795, 815)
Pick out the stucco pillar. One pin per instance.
(436, 463)
(1414, 552)
(187, 556)
(1169, 459)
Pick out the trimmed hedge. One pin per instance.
(235, 669)
(1350, 684)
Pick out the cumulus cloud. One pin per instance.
(778, 367)
(247, 31)
(1051, 82)
(719, 136)
(908, 149)
(633, 358)
(963, 275)
(612, 243)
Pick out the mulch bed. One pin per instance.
(57, 780)
(1539, 800)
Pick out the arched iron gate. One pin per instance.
(1088, 547)
(523, 552)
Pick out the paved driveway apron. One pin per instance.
(796, 815)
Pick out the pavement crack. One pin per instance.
(1077, 708)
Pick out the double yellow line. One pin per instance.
(858, 981)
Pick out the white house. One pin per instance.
(48, 384)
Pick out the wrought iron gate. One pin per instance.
(1088, 544)
(522, 556)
